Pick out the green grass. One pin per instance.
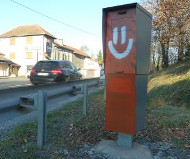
(170, 116)
(167, 123)
(168, 112)
(170, 86)
(67, 129)
(20, 140)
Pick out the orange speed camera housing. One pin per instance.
(126, 47)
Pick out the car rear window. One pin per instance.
(47, 65)
(65, 64)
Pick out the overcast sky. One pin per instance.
(80, 21)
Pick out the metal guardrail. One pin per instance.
(29, 101)
(60, 89)
(39, 101)
(45, 85)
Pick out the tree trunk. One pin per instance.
(153, 62)
(158, 63)
(181, 47)
(165, 49)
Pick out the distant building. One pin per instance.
(7, 67)
(25, 45)
(89, 67)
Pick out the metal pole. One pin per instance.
(105, 90)
(42, 118)
(124, 140)
(85, 92)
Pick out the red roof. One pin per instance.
(4, 59)
(75, 51)
(1, 54)
(26, 31)
(62, 46)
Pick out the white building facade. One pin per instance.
(26, 45)
(91, 68)
(27, 48)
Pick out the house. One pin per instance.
(25, 45)
(7, 67)
(88, 67)
(61, 52)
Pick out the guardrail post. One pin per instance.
(42, 118)
(98, 83)
(85, 94)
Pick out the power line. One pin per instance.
(68, 25)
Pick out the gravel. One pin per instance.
(164, 150)
(160, 150)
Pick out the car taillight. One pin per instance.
(33, 71)
(56, 71)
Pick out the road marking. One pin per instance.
(29, 84)
(15, 86)
(20, 85)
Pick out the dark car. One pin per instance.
(51, 71)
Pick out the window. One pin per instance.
(28, 55)
(48, 65)
(65, 65)
(12, 55)
(48, 42)
(12, 41)
(73, 66)
(65, 58)
(29, 40)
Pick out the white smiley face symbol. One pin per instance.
(114, 52)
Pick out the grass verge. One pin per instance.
(170, 86)
(167, 123)
(67, 129)
(168, 115)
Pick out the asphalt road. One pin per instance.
(10, 114)
(11, 117)
(13, 82)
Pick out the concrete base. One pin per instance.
(136, 151)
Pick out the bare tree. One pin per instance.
(84, 48)
(169, 19)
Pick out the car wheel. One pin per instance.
(35, 83)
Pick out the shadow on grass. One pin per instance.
(175, 69)
(177, 94)
(180, 68)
